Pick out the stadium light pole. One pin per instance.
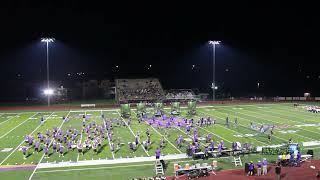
(47, 41)
(214, 43)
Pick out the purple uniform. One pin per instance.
(41, 137)
(259, 164)
(46, 150)
(61, 149)
(36, 146)
(158, 152)
(73, 137)
(131, 146)
(30, 140)
(54, 146)
(251, 166)
(24, 150)
(219, 147)
(264, 162)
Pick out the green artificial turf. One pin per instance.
(14, 126)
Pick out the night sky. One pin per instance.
(275, 46)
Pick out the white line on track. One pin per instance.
(131, 131)
(48, 146)
(82, 169)
(109, 141)
(23, 141)
(18, 125)
(10, 118)
(163, 136)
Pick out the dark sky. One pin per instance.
(276, 46)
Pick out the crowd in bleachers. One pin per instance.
(138, 89)
(180, 94)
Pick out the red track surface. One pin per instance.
(61, 107)
(304, 172)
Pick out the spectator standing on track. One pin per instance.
(259, 165)
(251, 169)
(264, 166)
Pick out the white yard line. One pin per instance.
(48, 146)
(289, 120)
(23, 141)
(281, 122)
(10, 118)
(298, 112)
(165, 139)
(109, 143)
(280, 111)
(208, 132)
(132, 132)
(273, 122)
(187, 134)
(235, 131)
(18, 125)
(243, 119)
(301, 113)
(163, 136)
(83, 169)
(85, 113)
(120, 161)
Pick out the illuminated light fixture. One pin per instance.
(48, 92)
(47, 40)
(214, 42)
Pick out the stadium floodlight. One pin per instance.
(214, 43)
(48, 40)
(48, 92)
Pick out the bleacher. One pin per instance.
(181, 94)
(135, 90)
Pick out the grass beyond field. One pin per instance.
(290, 122)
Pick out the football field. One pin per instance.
(289, 123)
